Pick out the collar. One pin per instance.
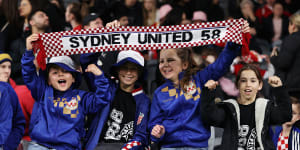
(62, 93)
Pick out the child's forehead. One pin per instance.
(56, 68)
(128, 64)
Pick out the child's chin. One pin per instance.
(62, 89)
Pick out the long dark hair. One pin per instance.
(76, 11)
(185, 54)
(174, 17)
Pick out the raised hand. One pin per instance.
(113, 24)
(275, 81)
(30, 39)
(93, 69)
(246, 27)
(211, 84)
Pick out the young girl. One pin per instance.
(246, 121)
(175, 120)
(58, 116)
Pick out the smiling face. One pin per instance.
(60, 79)
(170, 65)
(128, 75)
(248, 85)
(5, 70)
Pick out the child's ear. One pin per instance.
(260, 85)
(185, 65)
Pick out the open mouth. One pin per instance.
(248, 91)
(62, 81)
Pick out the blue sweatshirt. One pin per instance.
(179, 112)
(6, 111)
(58, 117)
(18, 122)
(141, 134)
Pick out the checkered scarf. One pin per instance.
(136, 38)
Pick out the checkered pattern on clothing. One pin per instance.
(130, 145)
(283, 142)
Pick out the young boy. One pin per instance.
(57, 120)
(287, 136)
(123, 123)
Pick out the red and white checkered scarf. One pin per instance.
(136, 38)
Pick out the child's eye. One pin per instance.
(170, 60)
(253, 81)
(243, 80)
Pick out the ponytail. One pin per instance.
(185, 54)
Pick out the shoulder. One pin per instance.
(293, 38)
(163, 88)
(4, 84)
(139, 95)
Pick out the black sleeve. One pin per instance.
(286, 57)
(281, 110)
(211, 113)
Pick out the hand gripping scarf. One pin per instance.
(136, 38)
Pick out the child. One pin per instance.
(125, 119)
(6, 112)
(287, 136)
(175, 120)
(57, 120)
(246, 121)
(18, 124)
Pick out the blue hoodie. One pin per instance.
(6, 112)
(57, 119)
(141, 134)
(18, 122)
(179, 113)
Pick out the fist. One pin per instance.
(211, 84)
(275, 81)
(158, 131)
(93, 69)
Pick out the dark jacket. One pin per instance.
(226, 115)
(288, 61)
(268, 28)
